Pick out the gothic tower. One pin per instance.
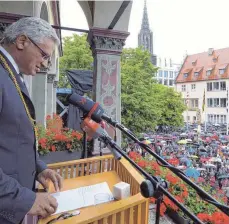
(145, 37)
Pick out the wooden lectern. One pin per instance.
(84, 172)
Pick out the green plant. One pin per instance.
(184, 193)
(56, 138)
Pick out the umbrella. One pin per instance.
(166, 157)
(147, 142)
(204, 159)
(182, 142)
(181, 167)
(202, 153)
(203, 150)
(201, 169)
(215, 159)
(201, 147)
(183, 159)
(186, 161)
(191, 150)
(209, 165)
(223, 177)
(224, 141)
(193, 156)
(191, 172)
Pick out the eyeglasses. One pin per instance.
(45, 56)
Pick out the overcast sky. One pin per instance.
(179, 26)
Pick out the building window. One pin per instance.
(223, 119)
(196, 73)
(188, 118)
(216, 102)
(210, 102)
(193, 87)
(209, 86)
(171, 82)
(194, 103)
(221, 71)
(171, 74)
(166, 74)
(222, 85)
(185, 75)
(208, 72)
(160, 81)
(215, 85)
(165, 82)
(160, 73)
(183, 88)
(217, 118)
(223, 102)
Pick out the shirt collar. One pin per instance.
(10, 58)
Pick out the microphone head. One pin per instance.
(147, 189)
(86, 104)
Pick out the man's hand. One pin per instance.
(49, 174)
(44, 205)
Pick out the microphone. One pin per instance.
(94, 130)
(86, 104)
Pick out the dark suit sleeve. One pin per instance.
(1, 97)
(22, 198)
(40, 164)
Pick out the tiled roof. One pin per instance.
(203, 62)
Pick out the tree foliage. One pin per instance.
(137, 71)
(77, 55)
(145, 103)
(171, 105)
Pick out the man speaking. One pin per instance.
(26, 48)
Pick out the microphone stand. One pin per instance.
(151, 187)
(85, 144)
(204, 195)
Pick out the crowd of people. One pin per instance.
(201, 155)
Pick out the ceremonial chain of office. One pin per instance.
(7, 67)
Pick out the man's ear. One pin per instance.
(21, 42)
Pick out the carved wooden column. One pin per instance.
(50, 102)
(107, 47)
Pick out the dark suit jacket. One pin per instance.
(19, 161)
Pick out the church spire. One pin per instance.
(145, 19)
(145, 37)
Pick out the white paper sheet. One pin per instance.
(80, 197)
